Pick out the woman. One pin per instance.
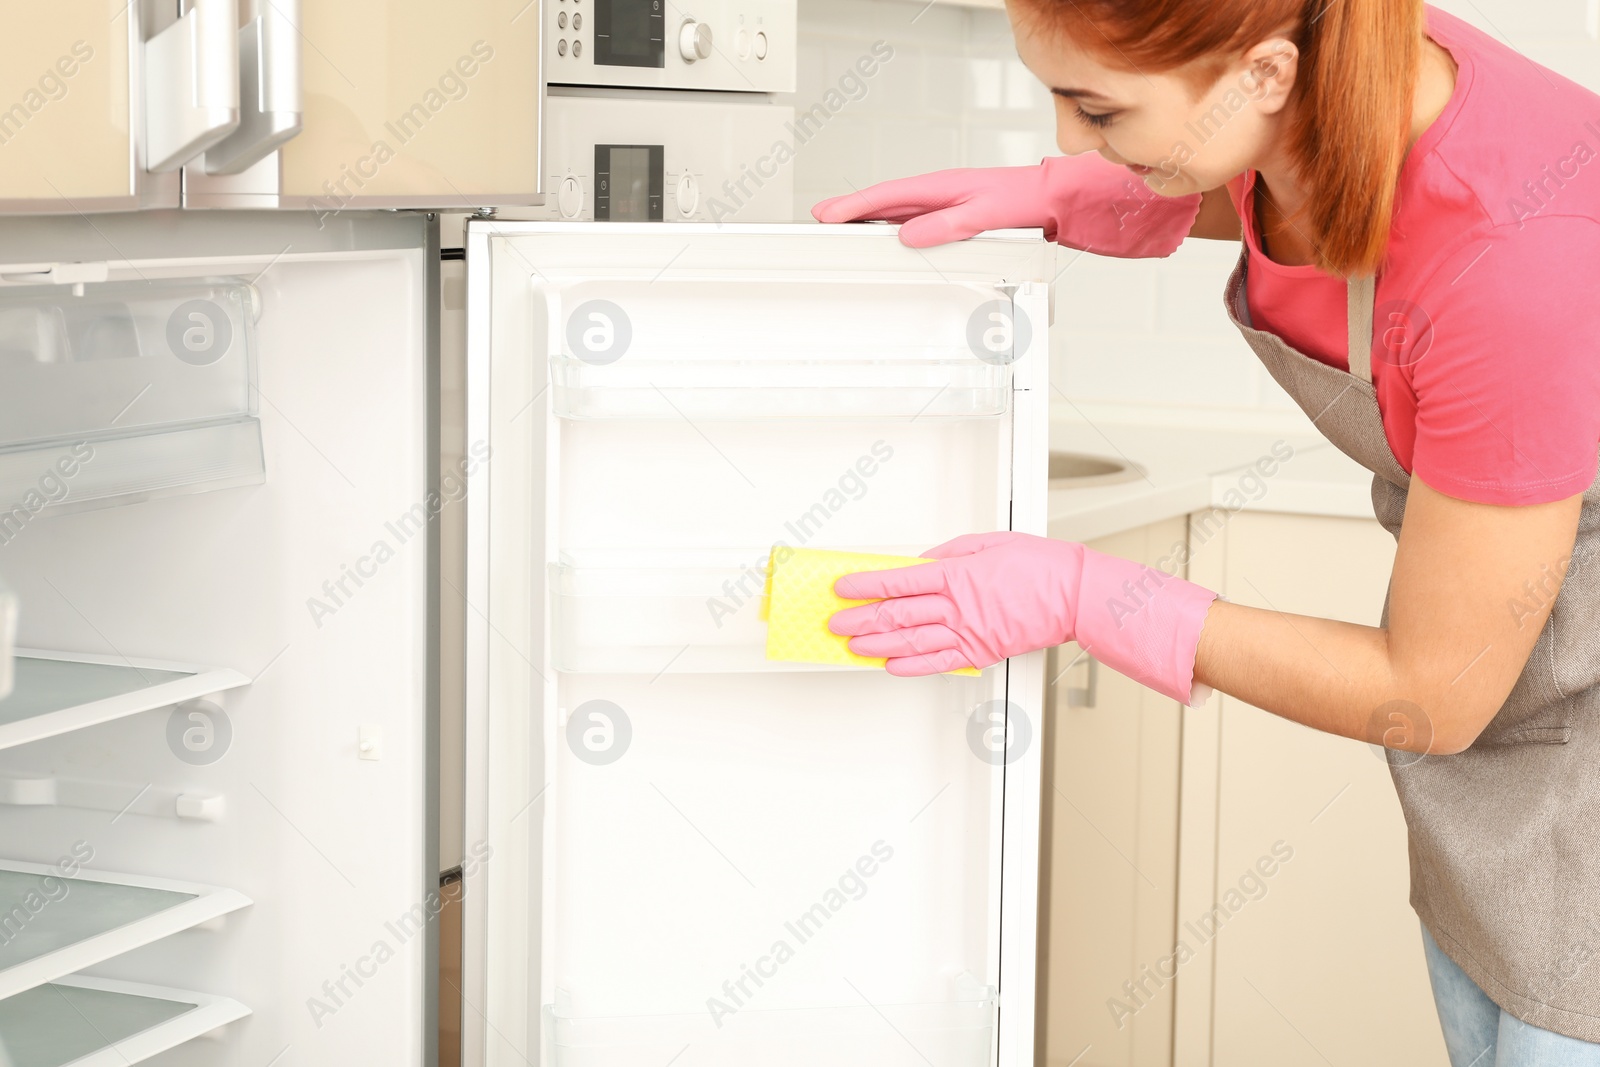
(1345, 141)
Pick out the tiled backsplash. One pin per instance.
(955, 95)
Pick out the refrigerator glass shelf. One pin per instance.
(8, 638)
(58, 692)
(954, 1034)
(92, 1022)
(61, 919)
(127, 391)
(959, 386)
(678, 612)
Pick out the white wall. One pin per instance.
(955, 95)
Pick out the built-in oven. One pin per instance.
(730, 45)
(642, 156)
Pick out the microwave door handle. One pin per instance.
(270, 93)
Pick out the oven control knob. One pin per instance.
(694, 40)
(569, 198)
(688, 195)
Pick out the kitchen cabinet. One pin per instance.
(1319, 960)
(72, 109)
(405, 104)
(322, 105)
(1109, 849)
(1245, 876)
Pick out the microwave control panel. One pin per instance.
(742, 46)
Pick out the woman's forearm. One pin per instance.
(1336, 677)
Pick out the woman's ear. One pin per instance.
(1271, 68)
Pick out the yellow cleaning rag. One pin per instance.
(799, 600)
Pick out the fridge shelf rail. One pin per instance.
(58, 692)
(665, 612)
(952, 1034)
(956, 387)
(96, 1022)
(62, 918)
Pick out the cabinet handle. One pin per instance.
(191, 84)
(270, 107)
(1085, 696)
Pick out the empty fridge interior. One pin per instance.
(273, 798)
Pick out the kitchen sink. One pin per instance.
(1072, 470)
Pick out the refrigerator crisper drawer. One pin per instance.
(957, 1034)
(124, 390)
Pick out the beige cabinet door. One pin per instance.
(70, 112)
(407, 103)
(1109, 852)
(1294, 885)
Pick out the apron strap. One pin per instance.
(1362, 294)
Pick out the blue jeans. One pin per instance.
(1478, 1033)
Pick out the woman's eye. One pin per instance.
(1099, 122)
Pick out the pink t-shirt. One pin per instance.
(1488, 364)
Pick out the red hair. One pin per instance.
(1357, 82)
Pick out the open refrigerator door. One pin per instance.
(692, 854)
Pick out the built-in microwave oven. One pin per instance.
(642, 156)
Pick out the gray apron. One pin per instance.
(1504, 838)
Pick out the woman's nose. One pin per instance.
(1074, 138)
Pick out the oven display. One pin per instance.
(629, 182)
(629, 33)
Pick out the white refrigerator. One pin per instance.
(217, 491)
(220, 497)
(688, 854)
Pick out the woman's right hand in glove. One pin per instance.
(1082, 202)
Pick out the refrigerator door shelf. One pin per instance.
(633, 612)
(956, 1034)
(955, 387)
(58, 692)
(63, 918)
(95, 1022)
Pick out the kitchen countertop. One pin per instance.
(1192, 461)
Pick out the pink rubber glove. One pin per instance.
(995, 595)
(1082, 202)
